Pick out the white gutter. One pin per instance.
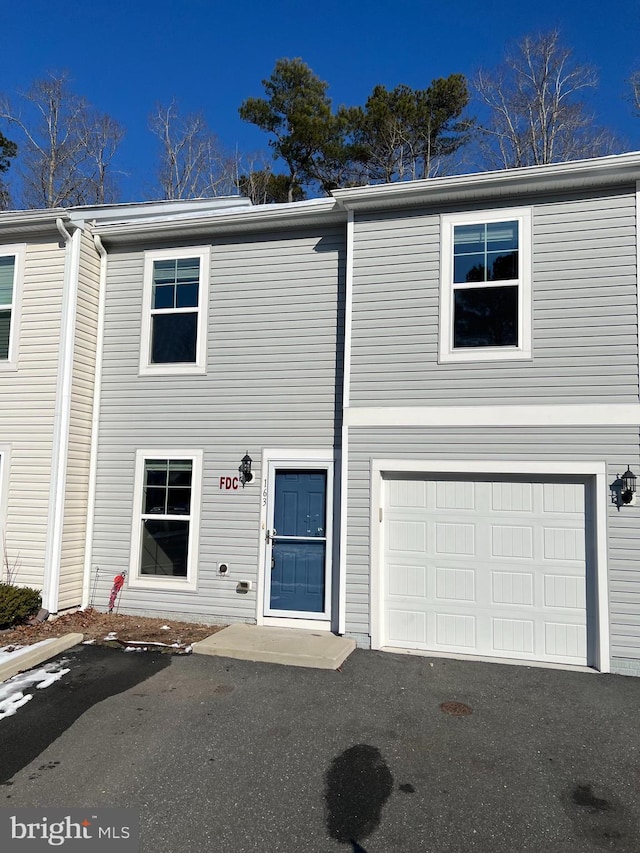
(233, 219)
(344, 459)
(62, 420)
(95, 423)
(617, 169)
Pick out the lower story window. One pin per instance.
(166, 541)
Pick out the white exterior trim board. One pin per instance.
(62, 421)
(603, 414)
(95, 424)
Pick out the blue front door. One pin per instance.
(298, 542)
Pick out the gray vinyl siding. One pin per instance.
(585, 336)
(618, 447)
(27, 406)
(77, 477)
(273, 380)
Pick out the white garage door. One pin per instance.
(488, 567)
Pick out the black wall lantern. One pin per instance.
(245, 469)
(628, 488)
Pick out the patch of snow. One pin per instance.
(112, 635)
(165, 627)
(88, 642)
(12, 691)
(134, 649)
(17, 651)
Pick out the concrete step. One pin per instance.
(288, 646)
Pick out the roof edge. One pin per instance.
(598, 171)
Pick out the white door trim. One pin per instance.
(596, 470)
(278, 458)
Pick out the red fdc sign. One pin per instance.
(229, 484)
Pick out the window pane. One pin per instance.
(187, 296)
(155, 472)
(5, 329)
(179, 501)
(164, 272)
(188, 270)
(469, 239)
(164, 296)
(180, 472)
(501, 266)
(502, 236)
(7, 266)
(165, 548)
(468, 268)
(173, 338)
(486, 317)
(155, 501)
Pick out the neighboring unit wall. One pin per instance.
(27, 405)
(273, 381)
(77, 477)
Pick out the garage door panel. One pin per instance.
(488, 568)
(511, 497)
(454, 494)
(456, 631)
(513, 635)
(512, 588)
(511, 541)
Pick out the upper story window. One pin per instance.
(175, 311)
(10, 265)
(485, 289)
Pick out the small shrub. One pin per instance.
(17, 603)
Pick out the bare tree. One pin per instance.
(634, 80)
(101, 135)
(536, 111)
(63, 161)
(192, 162)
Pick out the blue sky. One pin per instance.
(124, 57)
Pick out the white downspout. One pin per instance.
(344, 459)
(62, 420)
(95, 423)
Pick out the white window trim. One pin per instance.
(447, 223)
(18, 251)
(199, 366)
(136, 580)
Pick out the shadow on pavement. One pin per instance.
(357, 785)
(96, 674)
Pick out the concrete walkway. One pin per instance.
(289, 646)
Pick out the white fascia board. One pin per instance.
(599, 171)
(604, 414)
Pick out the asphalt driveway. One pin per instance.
(222, 755)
